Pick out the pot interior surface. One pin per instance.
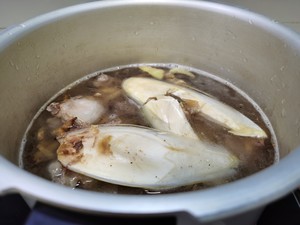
(46, 54)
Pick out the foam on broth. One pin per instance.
(38, 153)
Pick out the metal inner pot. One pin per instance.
(43, 55)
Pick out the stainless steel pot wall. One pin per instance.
(42, 55)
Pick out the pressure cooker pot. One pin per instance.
(43, 55)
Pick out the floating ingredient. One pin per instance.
(87, 109)
(160, 73)
(165, 113)
(154, 72)
(141, 89)
(141, 157)
(181, 70)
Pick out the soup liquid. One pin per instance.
(39, 152)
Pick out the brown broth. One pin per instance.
(39, 153)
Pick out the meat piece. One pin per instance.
(87, 109)
(104, 80)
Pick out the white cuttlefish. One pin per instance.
(142, 89)
(142, 157)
